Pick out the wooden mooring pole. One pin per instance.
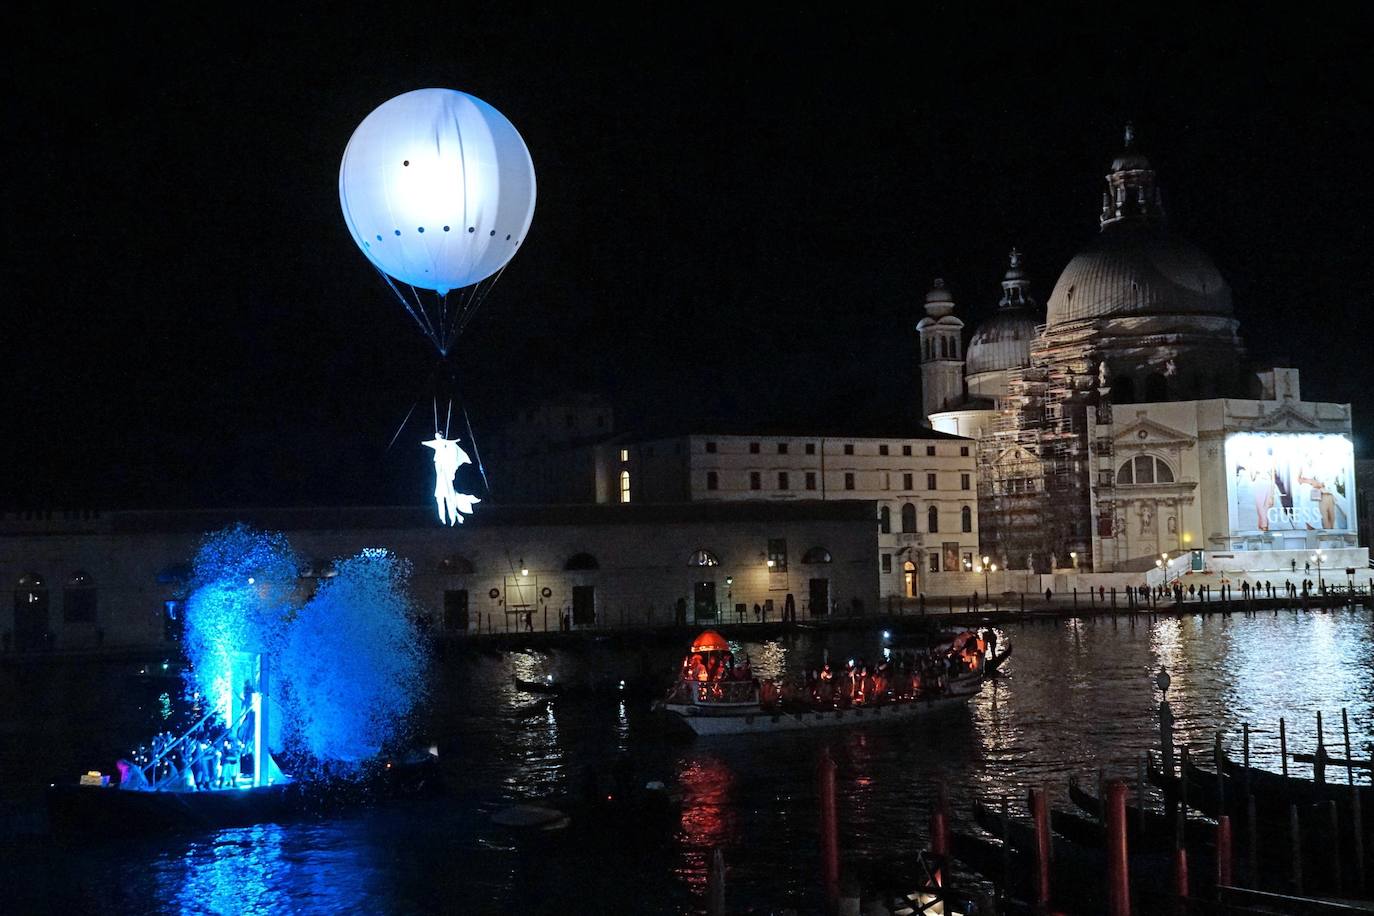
(830, 836)
(1224, 855)
(1118, 864)
(1040, 814)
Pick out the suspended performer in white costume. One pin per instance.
(448, 458)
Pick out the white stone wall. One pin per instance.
(643, 568)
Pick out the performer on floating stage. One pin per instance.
(448, 458)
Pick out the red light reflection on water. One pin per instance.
(708, 819)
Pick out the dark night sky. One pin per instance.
(737, 217)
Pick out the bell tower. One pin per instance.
(942, 353)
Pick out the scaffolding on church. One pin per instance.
(1035, 499)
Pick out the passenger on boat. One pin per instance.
(131, 776)
(825, 689)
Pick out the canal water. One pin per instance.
(1077, 696)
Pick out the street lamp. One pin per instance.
(1317, 558)
(1073, 558)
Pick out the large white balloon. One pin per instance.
(437, 188)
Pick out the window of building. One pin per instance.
(963, 481)
(624, 455)
(966, 519)
(78, 599)
(968, 561)
(934, 561)
(963, 451)
(1144, 469)
(811, 480)
(933, 520)
(810, 448)
(782, 481)
(882, 450)
(581, 562)
(624, 486)
(907, 481)
(849, 448)
(753, 448)
(816, 555)
(930, 450)
(906, 450)
(782, 448)
(930, 481)
(755, 480)
(887, 481)
(712, 480)
(703, 557)
(777, 554)
(710, 448)
(849, 480)
(908, 518)
(887, 564)
(884, 520)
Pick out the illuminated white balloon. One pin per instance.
(437, 188)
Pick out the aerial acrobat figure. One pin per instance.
(437, 189)
(448, 458)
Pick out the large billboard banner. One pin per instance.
(1290, 482)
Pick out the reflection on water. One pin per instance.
(1078, 696)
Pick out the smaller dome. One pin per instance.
(939, 292)
(1001, 342)
(1130, 159)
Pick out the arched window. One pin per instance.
(580, 562)
(816, 555)
(1144, 469)
(703, 557)
(624, 486)
(966, 519)
(884, 519)
(456, 565)
(908, 518)
(933, 520)
(78, 598)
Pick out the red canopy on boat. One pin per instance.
(710, 641)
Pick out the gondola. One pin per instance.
(95, 812)
(1293, 789)
(994, 662)
(1152, 828)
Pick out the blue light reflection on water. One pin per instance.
(1078, 696)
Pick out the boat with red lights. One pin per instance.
(713, 695)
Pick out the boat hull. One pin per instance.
(753, 720)
(96, 812)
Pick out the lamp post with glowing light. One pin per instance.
(1073, 558)
(1317, 558)
(985, 577)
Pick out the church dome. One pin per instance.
(1136, 271)
(1001, 342)
(1004, 340)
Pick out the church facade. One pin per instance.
(1125, 431)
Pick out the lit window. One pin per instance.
(777, 554)
(703, 557)
(624, 486)
(712, 480)
(624, 454)
(934, 562)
